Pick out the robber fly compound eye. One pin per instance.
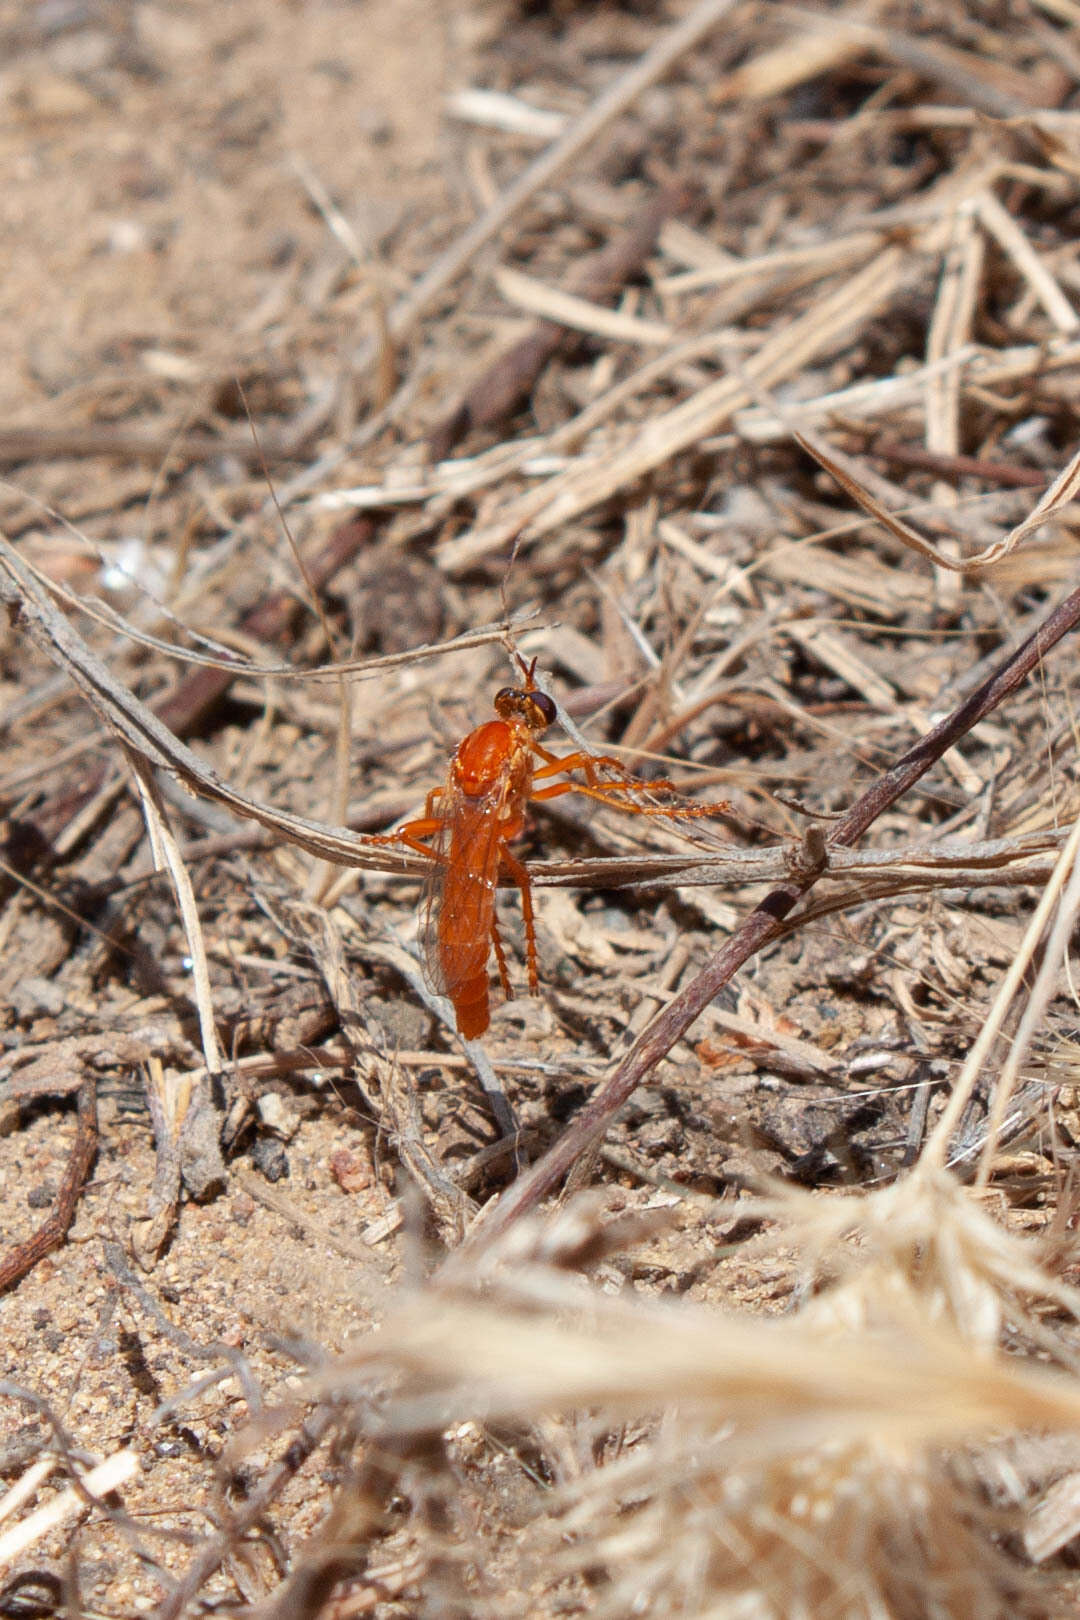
(544, 707)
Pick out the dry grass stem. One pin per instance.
(97, 1482)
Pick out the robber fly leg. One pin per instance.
(606, 792)
(412, 834)
(556, 765)
(500, 959)
(521, 877)
(592, 764)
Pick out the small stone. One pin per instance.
(277, 1116)
(37, 995)
(351, 1170)
(269, 1157)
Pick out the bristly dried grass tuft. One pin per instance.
(858, 1530)
(923, 1247)
(823, 1463)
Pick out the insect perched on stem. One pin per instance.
(468, 825)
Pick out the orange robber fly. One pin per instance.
(466, 830)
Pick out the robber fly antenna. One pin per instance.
(529, 672)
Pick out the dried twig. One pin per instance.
(217, 1548)
(270, 621)
(167, 854)
(50, 1234)
(1052, 898)
(1009, 475)
(49, 443)
(101, 1482)
(186, 707)
(508, 382)
(1058, 494)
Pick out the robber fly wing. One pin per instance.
(458, 904)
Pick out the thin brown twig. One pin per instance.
(1004, 473)
(764, 924)
(49, 443)
(271, 620)
(50, 1234)
(509, 380)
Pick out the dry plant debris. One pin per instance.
(722, 358)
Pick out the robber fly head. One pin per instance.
(527, 704)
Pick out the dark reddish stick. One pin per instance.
(764, 924)
(50, 1234)
(270, 621)
(510, 379)
(1005, 473)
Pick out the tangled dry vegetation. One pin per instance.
(721, 358)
